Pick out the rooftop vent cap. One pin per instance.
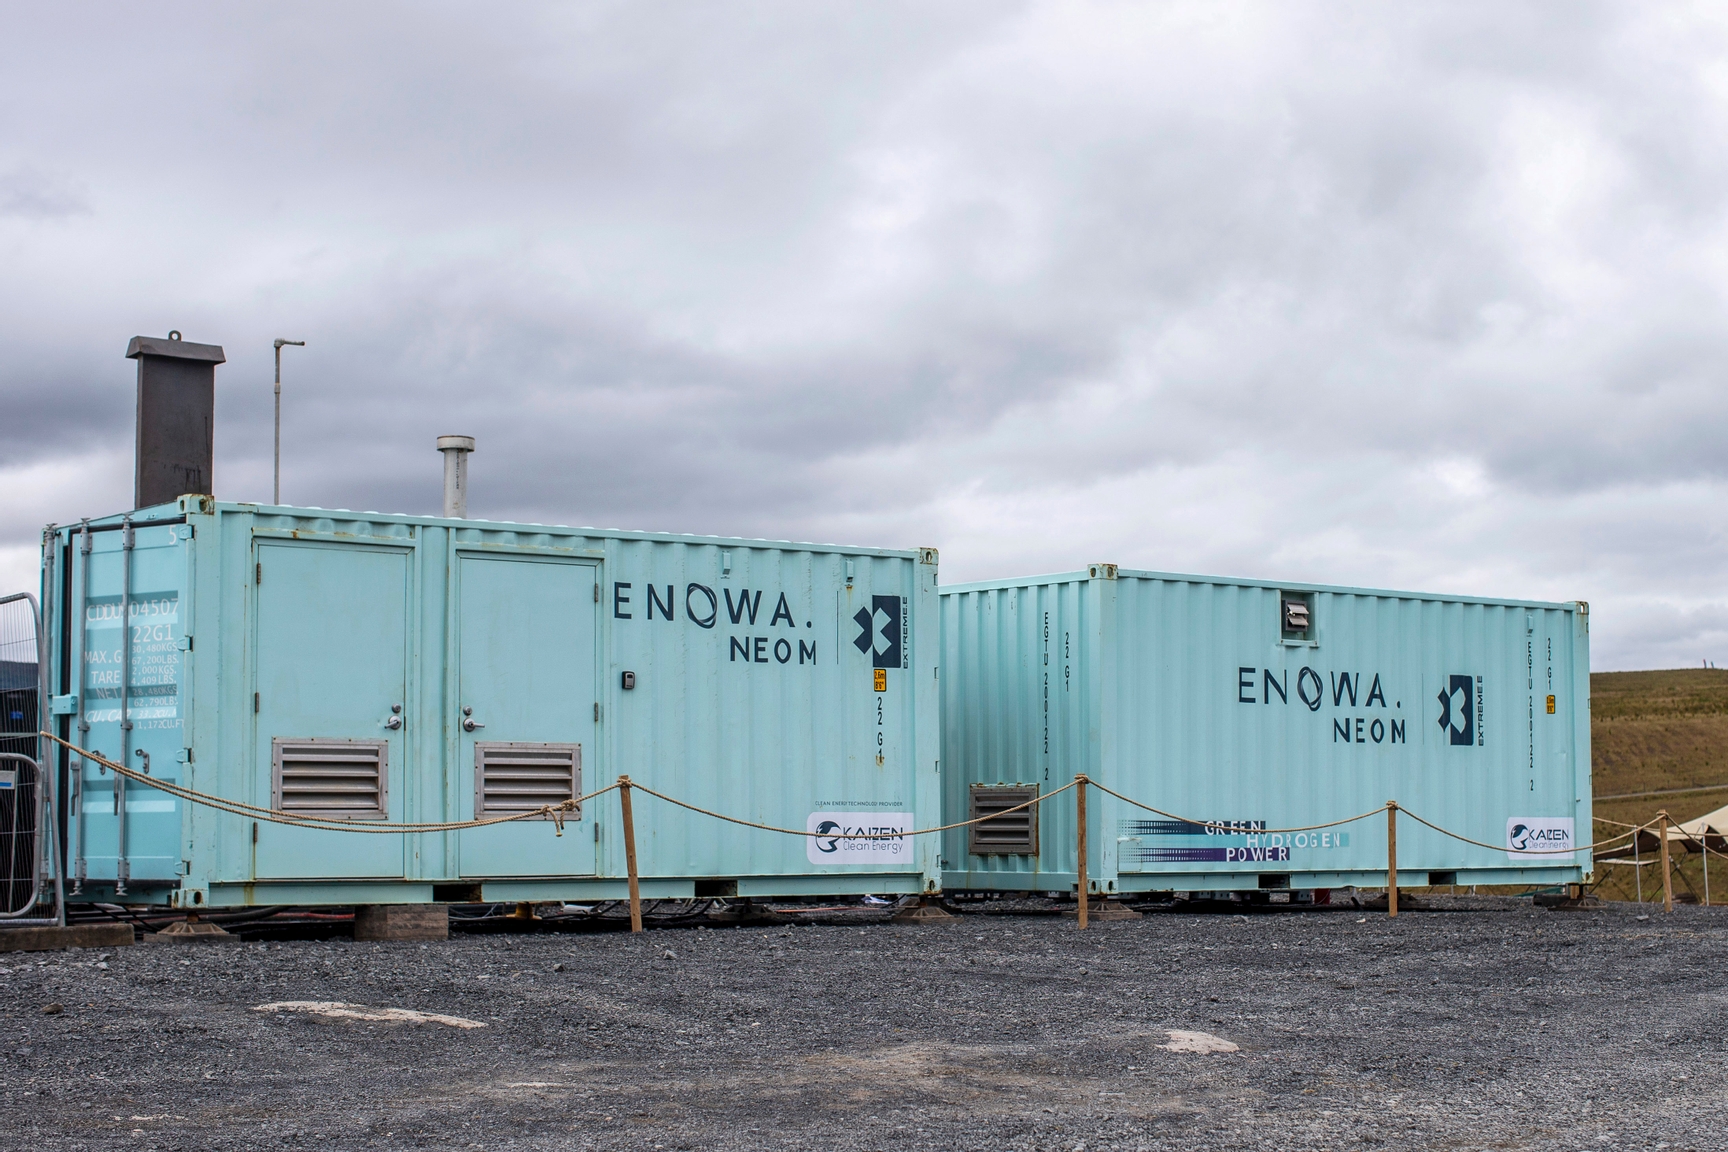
(456, 450)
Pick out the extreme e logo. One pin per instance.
(879, 631)
(1461, 709)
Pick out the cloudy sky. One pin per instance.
(1367, 294)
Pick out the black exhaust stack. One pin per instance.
(176, 417)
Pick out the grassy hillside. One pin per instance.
(1660, 730)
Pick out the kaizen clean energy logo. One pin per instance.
(826, 840)
(858, 838)
(1536, 840)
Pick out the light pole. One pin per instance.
(276, 492)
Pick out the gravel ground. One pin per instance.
(1470, 1026)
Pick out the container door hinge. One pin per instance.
(185, 643)
(596, 593)
(596, 713)
(258, 572)
(63, 705)
(254, 703)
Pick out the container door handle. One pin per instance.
(468, 721)
(395, 721)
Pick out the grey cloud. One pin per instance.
(28, 194)
(1418, 296)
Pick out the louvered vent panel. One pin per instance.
(340, 778)
(1012, 834)
(518, 776)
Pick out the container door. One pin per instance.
(525, 722)
(156, 630)
(331, 677)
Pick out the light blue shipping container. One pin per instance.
(410, 668)
(1259, 706)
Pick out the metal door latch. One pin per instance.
(468, 721)
(395, 720)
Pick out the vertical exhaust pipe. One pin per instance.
(456, 450)
(176, 418)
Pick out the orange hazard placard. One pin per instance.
(881, 679)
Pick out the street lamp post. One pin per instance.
(276, 492)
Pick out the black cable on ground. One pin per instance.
(116, 913)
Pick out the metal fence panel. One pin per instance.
(26, 831)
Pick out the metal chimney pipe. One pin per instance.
(456, 449)
(176, 417)
(276, 486)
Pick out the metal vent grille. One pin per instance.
(1015, 834)
(1295, 616)
(346, 779)
(516, 776)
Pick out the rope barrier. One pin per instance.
(327, 824)
(1376, 810)
(1523, 851)
(558, 811)
(862, 835)
(1689, 837)
(1703, 842)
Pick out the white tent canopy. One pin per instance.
(1712, 824)
(1710, 828)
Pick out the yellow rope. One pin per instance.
(1523, 851)
(325, 824)
(558, 811)
(861, 835)
(1703, 842)
(1214, 824)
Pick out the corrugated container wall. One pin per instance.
(1197, 696)
(399, 668)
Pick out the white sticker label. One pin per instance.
(1538, 839)
(859, 838)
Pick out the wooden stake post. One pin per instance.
(1392, 857)
(1667, 874)
(1080, 811)
(630, 854)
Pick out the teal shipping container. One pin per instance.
(1239, 708)
(388, 668)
